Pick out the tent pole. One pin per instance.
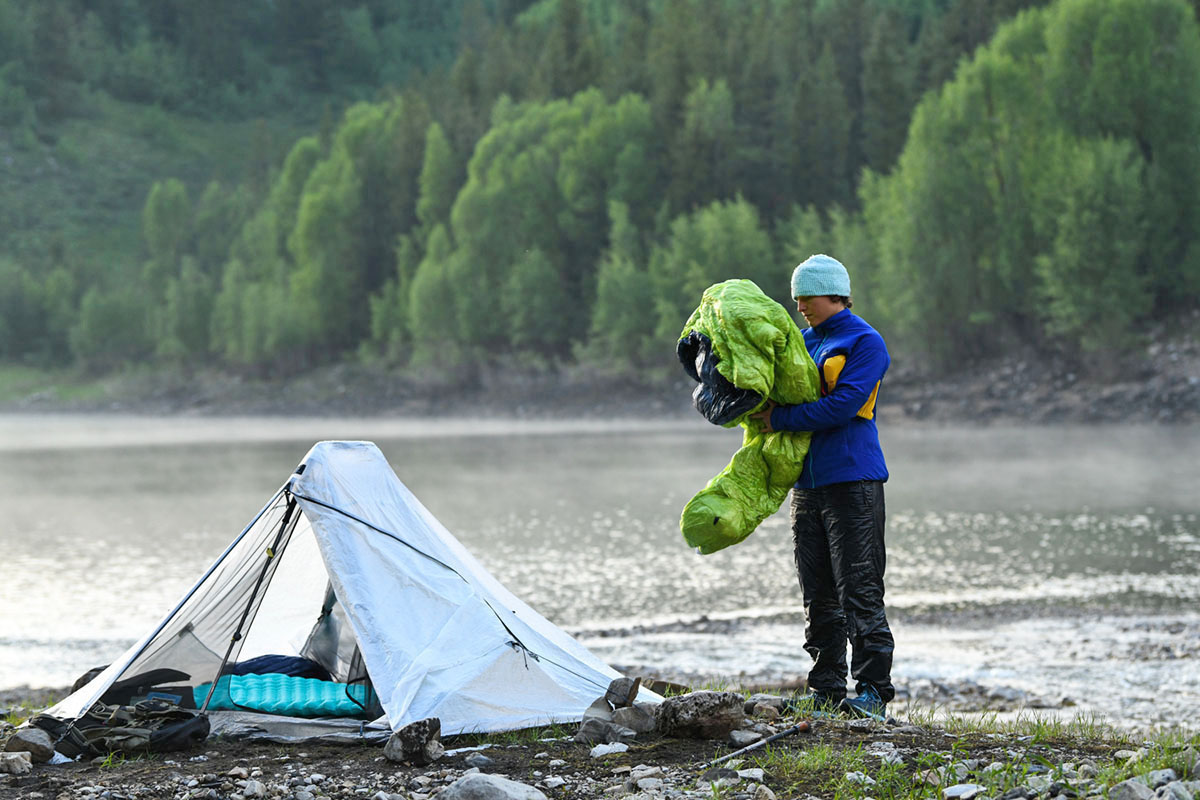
(272, 552)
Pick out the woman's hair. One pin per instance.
(844, 299)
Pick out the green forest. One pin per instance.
(268, 187)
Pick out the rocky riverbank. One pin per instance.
(1158, 383)
(849, 758)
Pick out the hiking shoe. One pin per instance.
(867, 704)
(812, 702)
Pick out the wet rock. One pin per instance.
(34, 741)
(15, 763)
(480, 786)
(416, 743)
(962, 791)
(701, 715)
(1132, 789)
(622, 691)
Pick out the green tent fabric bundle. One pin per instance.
(761, 349)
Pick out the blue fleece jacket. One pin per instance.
(845, 442)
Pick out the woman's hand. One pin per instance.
(763, 415)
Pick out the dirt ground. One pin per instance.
(360, 770)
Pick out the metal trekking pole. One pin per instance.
(799, 727)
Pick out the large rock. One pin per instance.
(34, 741)
(481, 786)
(639, 718)
(701, 715)
(15, 763)
(416, 743)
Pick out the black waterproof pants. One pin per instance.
(838, 532)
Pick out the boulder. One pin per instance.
(417, 743)
(481, 786)
(34, 741)
(701, 715)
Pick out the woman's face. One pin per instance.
(818, 308)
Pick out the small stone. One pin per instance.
(602, 750)
(768, 712)
(622, 691)
(753, 774)
(761, 792)
(1132, 789)
(650, 784)
(1160, 777)
(492, 787)
(17, 763)
(479, 761)
(717, 775)
(644, 771)
(863, 779)
(254, 788)
(599, 709)
(1126, 755)
(962, 791)
(743, 738)
(554, 781)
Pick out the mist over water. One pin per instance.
(1039, 559)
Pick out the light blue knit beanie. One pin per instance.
(820, 275)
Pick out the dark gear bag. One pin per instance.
(152, 725)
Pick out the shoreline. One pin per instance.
(1159, 385)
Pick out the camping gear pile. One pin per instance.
(343, 610)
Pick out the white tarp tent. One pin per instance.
(344, 566)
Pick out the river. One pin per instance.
(1056, 566)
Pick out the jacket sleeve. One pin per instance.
(865, 365)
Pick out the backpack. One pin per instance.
(151, 725)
